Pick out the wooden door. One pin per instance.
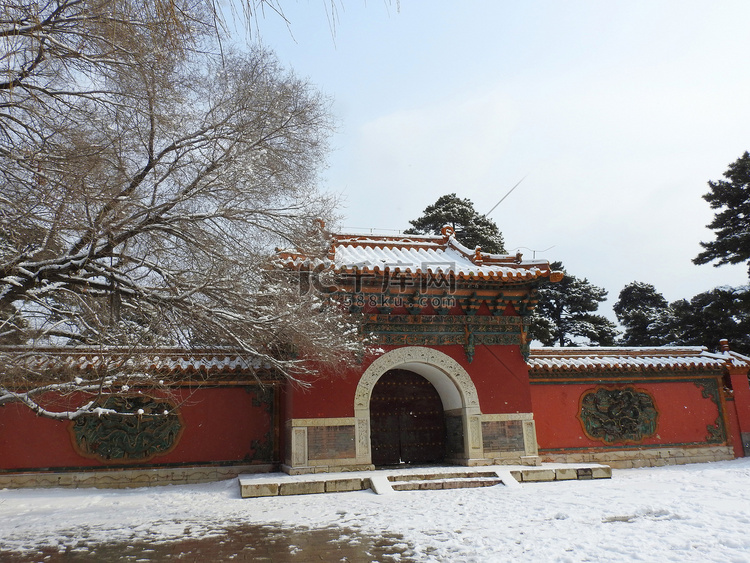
(407, 424)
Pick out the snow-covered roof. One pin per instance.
(172, 361)
(584, 359)
(419, 255)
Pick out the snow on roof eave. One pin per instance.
(646, 363)
(587, 359)
(575, 351)
(464, 275)
(734, 358)
(374, 237)
(420, 241)
(178, 361)
(396, 244)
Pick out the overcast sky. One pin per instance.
(614, 113)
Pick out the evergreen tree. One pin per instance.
(565, 314)
(645, 314)
(471, 228)
(723, 312)
(732, 222)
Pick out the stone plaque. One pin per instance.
(331, 442)
(501, 436)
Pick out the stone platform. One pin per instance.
(387, 481)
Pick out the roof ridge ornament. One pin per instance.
(447, 231)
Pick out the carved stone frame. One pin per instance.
(452, 382)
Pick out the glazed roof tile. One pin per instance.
(585, 359)
(419, 255)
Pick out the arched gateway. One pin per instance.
(396, 433)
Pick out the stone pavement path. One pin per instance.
(245, 543)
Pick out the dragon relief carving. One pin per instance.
(618, 415)
(118, 437)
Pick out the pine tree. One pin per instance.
(565, 314)
(732, 222)
(645, 314)
(723, 312)
(471, 228)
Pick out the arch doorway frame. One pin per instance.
(451, 381)
(344, 444)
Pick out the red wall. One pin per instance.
(683, 414)
(329, 395)
(220, 425)
(501, 377)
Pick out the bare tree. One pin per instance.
(145, 181)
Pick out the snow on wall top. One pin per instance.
(419, 254)
(586, 359)
(173, 361)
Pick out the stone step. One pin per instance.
(435, 484)
(443, 476)
(386, 482)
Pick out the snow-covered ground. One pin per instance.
(688, 513)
